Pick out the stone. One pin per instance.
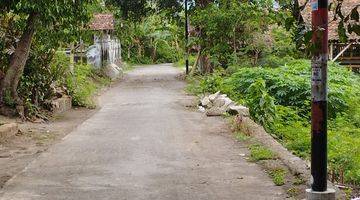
(239, 110)
(228, 103)
(205, 102)
(219, 102)
(214, 96)
(61, 105)
(113, 71)
(7, 131)
(215, 111)
(202, 109)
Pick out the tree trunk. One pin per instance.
(204, 60)
(296, 13)
(17, 62)
(194, 67)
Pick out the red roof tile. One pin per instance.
(102, 22)
(346, 8)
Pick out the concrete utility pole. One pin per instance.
(319, 105)
(186, 36)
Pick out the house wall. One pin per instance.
(350, 57)
(109, 48)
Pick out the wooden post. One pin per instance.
(72, 57)
(331, 51)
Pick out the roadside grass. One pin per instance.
(193, 85)
(278, 176)
(239, 136)
(258, 152)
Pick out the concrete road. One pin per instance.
(145, 144)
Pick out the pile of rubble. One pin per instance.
(113, 71)
(219, 104)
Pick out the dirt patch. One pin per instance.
(34, 138)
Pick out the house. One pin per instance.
(347, 53)
(105, 41)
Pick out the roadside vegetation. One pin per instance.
(261, 61)
(34, 69)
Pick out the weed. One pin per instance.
(299, 181)
(278, 176)
(292, 192)
(241, 136)
(258, 152)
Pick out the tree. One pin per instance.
(136, 10)
(66, 16)
(349, 19)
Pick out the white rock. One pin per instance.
(202, 109)
(241, 110)
(214, 96)
(219, 102)
(206, 102)
(222, 96)
(228, 103)
(215, 111)
(113, 71)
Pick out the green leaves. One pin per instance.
(226, 29)
(342, 32)
(354, 15)
(261, 104)
(349, 23)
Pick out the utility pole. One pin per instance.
(319, 105)
(186, 36)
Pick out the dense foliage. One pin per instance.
(279, 98)
(155, 39)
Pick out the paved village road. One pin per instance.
(145, 144)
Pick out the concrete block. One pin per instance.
(113, 71)
(61, 105)
(214, 96)
(215, 111)
(205, 102)
(327, 195)
(239, 110)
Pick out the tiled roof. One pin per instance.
(102, 22)
(346, 8)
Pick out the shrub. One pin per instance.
(290, 85)
(81, 87)
(41, 79)
(279, 98)
(261, 104)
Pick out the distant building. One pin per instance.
(104, 41)
(347, 53)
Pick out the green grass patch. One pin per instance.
(278, 176)
(258, 152)
(83, 85)
(241, 136)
